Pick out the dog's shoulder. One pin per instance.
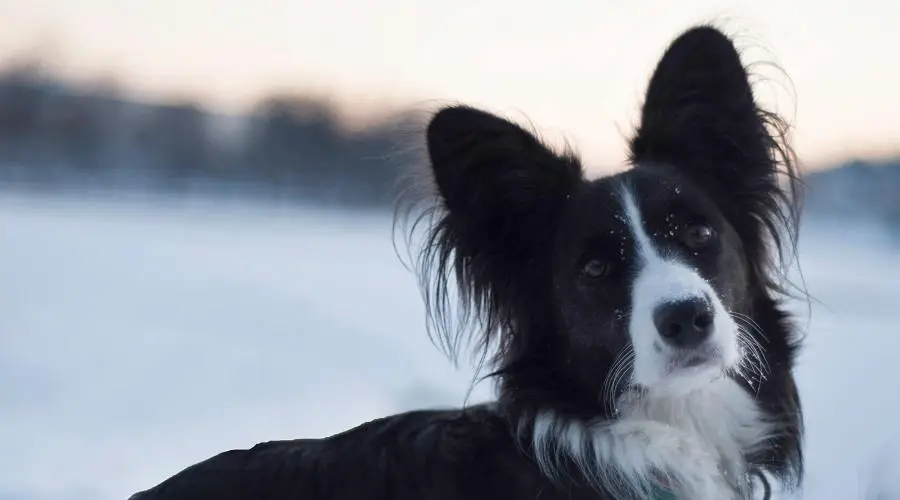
(423, 431)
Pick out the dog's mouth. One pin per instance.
(694, 359)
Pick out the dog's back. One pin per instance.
(437, 454)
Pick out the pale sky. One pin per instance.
(575, 68)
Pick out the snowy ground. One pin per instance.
(136, 340)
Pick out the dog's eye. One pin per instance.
(596, 269)
(697, 236)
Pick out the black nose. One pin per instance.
(685, 323)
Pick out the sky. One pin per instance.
(575, 68)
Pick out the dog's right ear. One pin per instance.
(501, 191)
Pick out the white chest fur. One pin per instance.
(694, 438)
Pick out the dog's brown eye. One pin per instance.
(596, 269)
(696, 236)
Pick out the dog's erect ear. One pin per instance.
(700, 115)
(502, 191)
(499, 183)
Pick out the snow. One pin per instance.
(138, 337)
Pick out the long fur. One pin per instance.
(634, 324)
(492, 314)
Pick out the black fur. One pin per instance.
(457, 454)
(513, 224)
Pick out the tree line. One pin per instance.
(54, 133)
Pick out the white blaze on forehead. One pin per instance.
(658, 279)
(671, 279)
(633, 217)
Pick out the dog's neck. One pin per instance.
(692, 440)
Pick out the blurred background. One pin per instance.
(195, 213)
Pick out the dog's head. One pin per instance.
(661, 277)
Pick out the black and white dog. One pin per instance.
(642, 346)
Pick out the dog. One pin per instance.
(642, 344)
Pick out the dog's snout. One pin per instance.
(684, 323)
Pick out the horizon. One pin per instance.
(402, 55)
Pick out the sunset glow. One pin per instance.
(576, 68)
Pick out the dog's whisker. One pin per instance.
(619, 370)
(753, 367)
(749, 322)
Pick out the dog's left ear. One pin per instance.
(700, 116)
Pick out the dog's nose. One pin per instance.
(685, 323)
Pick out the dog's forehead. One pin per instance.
(597, 207)
(601, 201)
(610, 212)
(656, 184)
(600, 195)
